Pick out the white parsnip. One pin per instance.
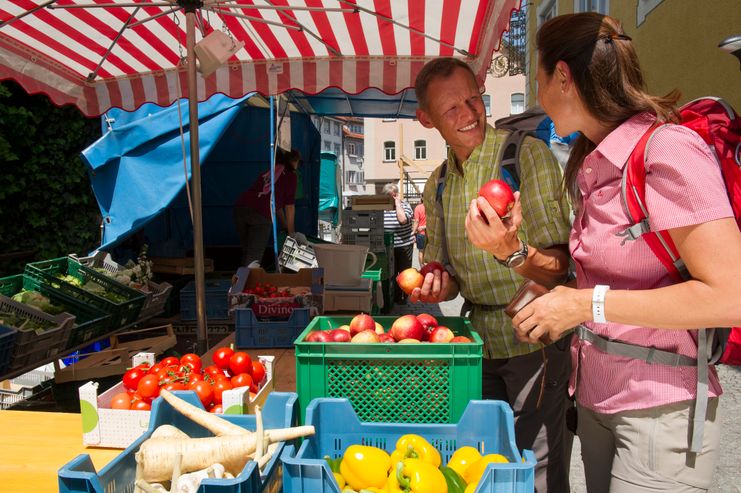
(211, 422)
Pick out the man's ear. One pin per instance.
(424, 118)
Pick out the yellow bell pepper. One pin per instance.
(365, 467)
(415, 447)
(417, 476)
(471, 487)
(462, 458)
(476, 470)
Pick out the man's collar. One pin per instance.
(619, 144)
(457, 167)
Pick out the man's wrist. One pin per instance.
(514, 248)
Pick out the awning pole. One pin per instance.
(195, 165)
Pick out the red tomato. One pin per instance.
(217, 409)
(213, 370)
(240, 362)
(174, 386)
(258, 372)
(205, 392)
(121, 401)
(131, 378)
(141, 406)
(155, 368)
(149, 386)
(221, 357)
(241, 380)
(192, 359)
(219, 387)
(170, 361)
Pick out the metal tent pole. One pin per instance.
(200, 279)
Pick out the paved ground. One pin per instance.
(728, 472)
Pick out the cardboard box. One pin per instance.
(278, 308)
(117, 428)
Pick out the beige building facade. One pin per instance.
(420, 150)
(676, 40)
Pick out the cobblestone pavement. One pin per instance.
(728, 472)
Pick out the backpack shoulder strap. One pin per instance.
(440, 211)
(510, 159)
(633, 196)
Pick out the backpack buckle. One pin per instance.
(634, 232)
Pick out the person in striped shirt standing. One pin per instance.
(399, 221)
(489, 260)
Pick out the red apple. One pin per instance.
(346, 328)
(407, 327)
(441, 334)
(409, 341)
(365, 337)
(339, 335)
(362, 322)
(428, 322)
(322, 336)
(311, 336)
(460, 339)
(431, 267)
(499, 195)
(386, 337)
(408, 279)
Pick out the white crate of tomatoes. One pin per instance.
(234, 384)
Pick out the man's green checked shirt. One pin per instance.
(545, 223)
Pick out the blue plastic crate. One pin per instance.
(79, 475)
(486, 425)
(253, 333)
(217, 302)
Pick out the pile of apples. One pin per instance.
(407, 329)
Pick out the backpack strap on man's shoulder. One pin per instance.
(510, 160)
(439, 189)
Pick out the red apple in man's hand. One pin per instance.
(431, 267)
(441, 334)
(362, 322)
(499, 195)
(407, 327)
(408, 279)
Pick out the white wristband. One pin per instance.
(598, 303)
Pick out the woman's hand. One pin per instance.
(487, 231)
(552, 314)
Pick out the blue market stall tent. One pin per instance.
(138, 171)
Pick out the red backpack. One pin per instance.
(720, 127)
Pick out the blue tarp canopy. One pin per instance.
(370, 103)
(138, 172)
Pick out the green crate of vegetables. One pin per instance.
(66, 274)
(90, 322)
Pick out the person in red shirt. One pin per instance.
(419, 228)
(252, 209)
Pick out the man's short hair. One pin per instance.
(439, 67)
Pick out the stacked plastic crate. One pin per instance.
(365, 227)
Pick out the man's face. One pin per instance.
(455, 108)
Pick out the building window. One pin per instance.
(389, 151)
(420, 149)
(327, 127)
(327, 145)
(600, 6)
(547, 10)
(517, 103)
(351, 148)
(337, 148)
(336, 128)
(487, 103)
(360, 150)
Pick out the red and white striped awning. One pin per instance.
(123, 53)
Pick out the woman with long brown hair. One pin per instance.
(634, 418)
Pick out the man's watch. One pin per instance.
(516, 259)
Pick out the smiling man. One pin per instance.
(491, 258)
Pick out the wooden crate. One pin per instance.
(116, 359)
(371, 203)
(174, 265)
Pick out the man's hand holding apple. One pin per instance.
(438, 286)
(487, 231)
